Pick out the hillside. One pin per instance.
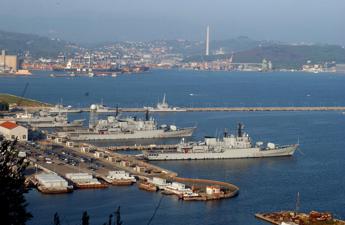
(283, 55)
(18, 43)
(12, 99)
(293, 56)
(190, 48)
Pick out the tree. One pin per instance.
(12, 185)
(110, 219)
(56, 219)
(118, 217)
(85, 218)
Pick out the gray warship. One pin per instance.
(228, 147)
(114, 128)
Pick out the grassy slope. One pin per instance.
(11, 99)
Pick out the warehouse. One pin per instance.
(11, 131)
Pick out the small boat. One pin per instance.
(148, 186)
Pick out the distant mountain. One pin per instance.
(193, 48)
(293, 56)
(283, 55)
(18, 43)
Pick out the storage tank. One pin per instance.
(93, 107)
(271, 145)
(173, 127)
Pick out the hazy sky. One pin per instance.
(107, 20)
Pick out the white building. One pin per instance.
(50, 180)
(11, 131)
(160, 182)
(120, 175)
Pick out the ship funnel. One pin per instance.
(225, 132)
(240, 130)
(147, 116)
(117, 111)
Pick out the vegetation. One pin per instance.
(293, 56)
(12, 99)
(282, 55)
(12, 202)
(85, 218)
(18, 43)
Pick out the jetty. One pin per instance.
(98, 162)
(209, 109)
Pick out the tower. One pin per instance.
(207, 40)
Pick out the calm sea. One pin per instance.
(316, 170)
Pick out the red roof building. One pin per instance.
(12, 131)
(9, 125)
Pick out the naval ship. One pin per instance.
(164, 107)
(229, 147)
(114, 128)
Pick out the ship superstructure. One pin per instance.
(164, 107)
(229, 147)
(114, 128)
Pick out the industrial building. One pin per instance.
(8, 63)
(11, 131)
(50, 180)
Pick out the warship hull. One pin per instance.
(227, 154)
(186, 132)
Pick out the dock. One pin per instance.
(213, 109)
(108, 160)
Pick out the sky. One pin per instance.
(92, 21)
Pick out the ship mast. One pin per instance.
(298, 204)
(163, 99)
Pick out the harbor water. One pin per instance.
(271, 184)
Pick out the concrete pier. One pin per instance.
(216, 109)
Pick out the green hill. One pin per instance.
(283, 55)
(18, 43)
(293, 56)
(13, 99)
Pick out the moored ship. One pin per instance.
(128, 128)
(164, 107)
(229, 147)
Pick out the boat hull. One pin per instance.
(187, 132)
(227, 154)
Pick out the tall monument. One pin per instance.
(207, 41)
